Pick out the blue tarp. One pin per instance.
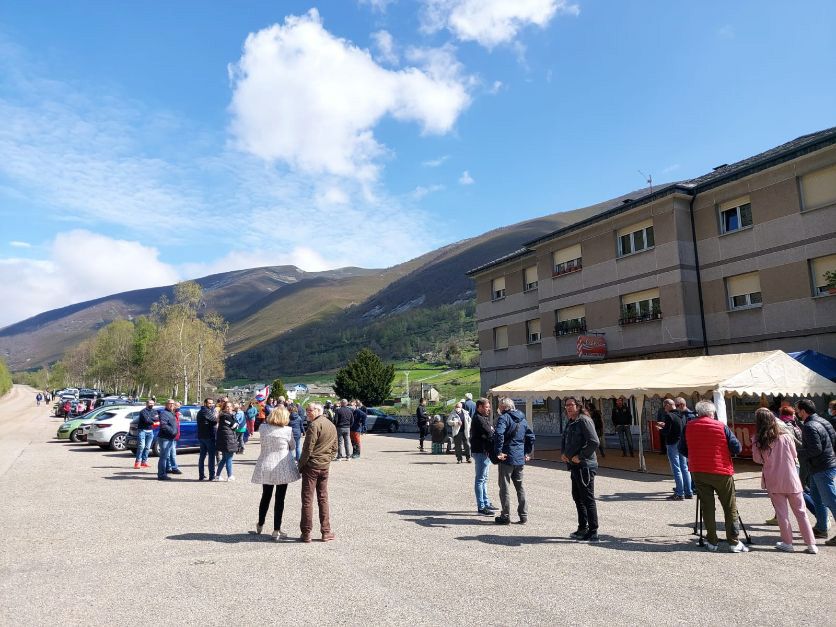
(825, 365)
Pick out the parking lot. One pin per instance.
(90, 540)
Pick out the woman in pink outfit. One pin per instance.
(774, 448)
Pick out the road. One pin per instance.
(89, 540)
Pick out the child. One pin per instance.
(774, 448)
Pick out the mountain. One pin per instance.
(282, 311)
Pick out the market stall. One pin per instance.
(717, 377)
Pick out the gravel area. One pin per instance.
(89, 540)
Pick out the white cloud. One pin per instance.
(309, 99)
(434, 163)
(385, 45)
(80, 266)
(466, 179)
(422, 191)
(490, 22)
(376, 5)
(16, 244)
(496, 87)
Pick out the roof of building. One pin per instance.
(722, 174)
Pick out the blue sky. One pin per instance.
(147, 142)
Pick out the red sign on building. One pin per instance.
(592, 346)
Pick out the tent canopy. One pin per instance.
(772, 372)
(825, 365)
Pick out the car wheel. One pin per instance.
(155, 449)
(393, 427)
(74, 435)
(117, 442)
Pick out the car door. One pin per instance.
(188, 428)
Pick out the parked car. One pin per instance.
(114, 400)
(377, 420)
(188, 431)
(110, 429)
(72, 428)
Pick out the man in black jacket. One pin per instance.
(422, 419)
(670, 428)
(622, 418)
(579, 445)
(165, 438)
(481, 441)
(818, 448)
(145, 433)
(207, 422)
(344, 417)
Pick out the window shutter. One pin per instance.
(741, 284)
(819, 188)
(569, 253)
(571, 313)
(820, 266)
(635, 297)
(635, 227)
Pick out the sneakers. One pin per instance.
(772, 522)
(136, 465)
(491, 507)
(831, 542)
(231, 478)
(675, 497)
(328, 537)
(579, 534)
(458, 461)
(306, 538)
(176, 471)
(590, 536)
(278, 535)
(486, 512)
(502, 520)
(710, 547)
(144, 465)
(812, 549)
(165, 478)
(469, 461)
(786, 548)
(523, 520)
(258, 529)
(818, 533)
(689, 496)
(216, 478)
(739, 548)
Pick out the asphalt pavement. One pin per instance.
(89, 540)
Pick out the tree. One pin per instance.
(277, 389)
(365, 378)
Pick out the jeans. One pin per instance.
(171, 462)
(315, 480)
(507, 474)
(165, 451)
(278, 508)
(707, 484)
(207, 450)
(240, 436)
(583, 493)
(226, 460)
(144, 437)
(298, 449)
(423, 432)
(355, 444)
(823, 491)
(343, 439)
(679, 468)
(480, 485)
(461, 442)
(625, 438)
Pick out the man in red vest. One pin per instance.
(709, 446)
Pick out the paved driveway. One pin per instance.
(89, 540)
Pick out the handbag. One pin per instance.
(509, 435)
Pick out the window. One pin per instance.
(635, 238)
(571, 320)
(500, 338)
(822, 267)
(744, 290)
(498, 288)
(530, 278)
(735, 215)
(567, 260)
(640, 307)
(818, 189)
(532, 331)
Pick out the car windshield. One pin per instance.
(105, 416)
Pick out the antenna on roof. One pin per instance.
(648, 179)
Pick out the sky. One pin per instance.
(142, 143)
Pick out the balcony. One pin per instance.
(635, 318)
(567, 267)
(570, 327)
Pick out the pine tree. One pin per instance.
(365, 378)
(277, 389)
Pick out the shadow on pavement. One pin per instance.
(427, 518)
(231, 538)
(430, 463)
(635, 496)
(141, 475)
(644, 545)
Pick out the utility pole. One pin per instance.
(199, 370)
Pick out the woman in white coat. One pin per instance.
(275, 468)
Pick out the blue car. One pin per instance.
(188, 431)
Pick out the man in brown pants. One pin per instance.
(320, 447)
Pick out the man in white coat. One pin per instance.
(459, 420)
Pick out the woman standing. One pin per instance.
(241, 429)
(275, 467)
(774, 448)
(252, 413)
(227, 440)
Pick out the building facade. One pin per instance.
(733, 261)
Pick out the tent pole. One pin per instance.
(529, 412)
(638, 409)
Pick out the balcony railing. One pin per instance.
(639, 317)
(568, 266)
(570, 327)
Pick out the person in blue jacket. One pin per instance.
(297, 425)
(513, 445)
(166, 438)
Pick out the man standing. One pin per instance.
(172, 467)
(481, 435)
(709, 445)
(165, 439)
(422, 419)
(818, 441)
(207, 422)
(344, 415)
(319, 448)
(145, 433)
(358, 427)
(38, 399)
(622, 418)
(513, 444)
(578, 452)
(670, 432)
(469, 405)
(461, 432)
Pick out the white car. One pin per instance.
(110, 430)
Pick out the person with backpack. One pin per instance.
(818, 448)
(38, 399)
(671, 431)
(513, 444)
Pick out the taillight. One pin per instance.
(103, 426)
